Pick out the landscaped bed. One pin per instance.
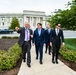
(67, 55)
(9, 57)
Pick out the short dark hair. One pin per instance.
(39, 24)
(56, 24)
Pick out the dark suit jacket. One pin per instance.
(22, 35)
(56, 39)
(47, 36)
(39, 39)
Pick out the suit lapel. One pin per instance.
(37, 32)
(41, 32)
(59, 32)
(55, 32)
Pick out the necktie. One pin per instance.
(27, 34)
(57, 32)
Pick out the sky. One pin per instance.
(17, 6)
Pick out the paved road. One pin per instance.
(67, 34)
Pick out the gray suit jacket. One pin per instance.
(22, 35)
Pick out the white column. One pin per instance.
(25, 18)
(36, 20)
(30, 22)
(44, 22)
(5, 21)
(39, 19)
(0, 21)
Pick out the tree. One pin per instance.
(14, 23)
(67, 18)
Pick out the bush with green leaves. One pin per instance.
(8, 59)
(68, 54)
(9, 37)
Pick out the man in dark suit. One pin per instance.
(39, 40)
(55, 41)
(24, 42)
(47, 39)
(31, 35)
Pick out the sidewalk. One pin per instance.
(47, 68)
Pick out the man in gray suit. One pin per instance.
(24, 41)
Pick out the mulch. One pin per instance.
(72, 65)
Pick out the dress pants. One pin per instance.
(26, 49)
(39, 49)
(55, 52)
(48, 45)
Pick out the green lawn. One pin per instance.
(71, 43)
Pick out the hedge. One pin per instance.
(8, 59)
(9, 37)
(68, 54)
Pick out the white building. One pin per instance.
(33, 17)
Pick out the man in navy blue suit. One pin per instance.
(47, 39)
(39, 40)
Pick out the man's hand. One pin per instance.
(50, 44)
(16, 28)
(44, 44)
(63, 44)
(31, 36)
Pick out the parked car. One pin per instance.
(6, 31)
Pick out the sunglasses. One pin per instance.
(59, 26)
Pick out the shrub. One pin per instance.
(15, 37)
(68, 54)
(8, 37)
(8, 59)
(4, 37)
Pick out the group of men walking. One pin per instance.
(50, 38)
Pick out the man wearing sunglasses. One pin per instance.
(56, 39)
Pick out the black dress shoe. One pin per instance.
(45, 51)
(24, 60)
(41, 62)
(36, 58)
(53, 61)
(29, 65)
(56, 62)
(49, 53)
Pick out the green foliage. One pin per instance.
(68, 54)
(14, 23)
(67, 18)
(9, 59)
(8, 37)
(69, 51)
(15, 37)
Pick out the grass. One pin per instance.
(71, 43)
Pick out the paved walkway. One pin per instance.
(46, 69)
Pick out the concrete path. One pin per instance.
(48, 68)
